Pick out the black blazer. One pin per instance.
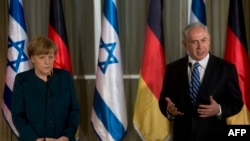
(28, 106)
(220, 80)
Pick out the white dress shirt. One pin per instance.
(202, 68)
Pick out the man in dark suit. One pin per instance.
(199, 116)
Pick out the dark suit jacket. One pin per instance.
(29, 100)
(220, 80)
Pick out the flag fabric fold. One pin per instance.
(236, 52)
(57, 33)
(148, 120)
(17, 58)
(198, 11)
(109, 113)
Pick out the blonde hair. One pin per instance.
(41, 45)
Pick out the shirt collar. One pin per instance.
(203, 62)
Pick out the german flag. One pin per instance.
(236, 53)
(57, 32)
(149, 122)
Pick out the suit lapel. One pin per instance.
(207, 87)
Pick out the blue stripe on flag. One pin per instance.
(199, 10)
(16, 7)
(7, 96)
(110, 13)
(104, 114)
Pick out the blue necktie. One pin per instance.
(195, 82)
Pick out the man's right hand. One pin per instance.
(171, 109)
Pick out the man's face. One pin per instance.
(197, 43)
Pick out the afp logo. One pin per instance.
(238, 132)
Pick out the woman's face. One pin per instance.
(43, 63)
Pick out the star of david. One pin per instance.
(18, 58)
(111, 59)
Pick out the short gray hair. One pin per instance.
(190, 26)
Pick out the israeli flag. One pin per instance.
(109, 113)
(17, 58)
(197, 11)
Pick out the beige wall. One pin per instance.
(132, 19)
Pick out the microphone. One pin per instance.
(191, 71)
(48, 77)
(190, 65)
(46, 103)
(193, 114)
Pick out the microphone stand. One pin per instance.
(193, 105)
(46, 103)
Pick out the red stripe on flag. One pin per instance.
(153, 63)
(62, 59)
(236, 54)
